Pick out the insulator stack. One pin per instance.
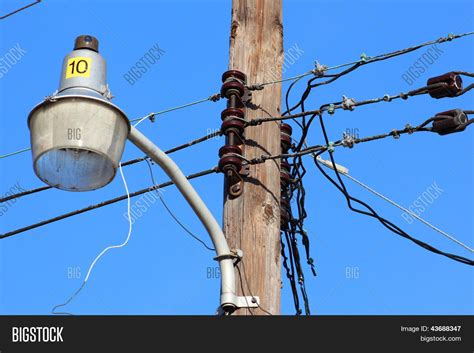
(285, 178)
(233, 126)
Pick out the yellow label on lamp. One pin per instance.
(78, 66)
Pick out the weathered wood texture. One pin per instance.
(252, 221)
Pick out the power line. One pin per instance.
(171, 213)
(15, 153)
(362, 61)
(124, 164)
(389, 225)
(262, 159)
(355, 65)
(385, 198)
(103, 203)
(346, 104)
(319, 70)
(151, 116)
(21, 9)
(298, 171)
(24, 193)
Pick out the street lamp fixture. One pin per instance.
(77, 139)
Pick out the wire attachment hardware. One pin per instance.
(319, 70)
(348, 103)
(348, 140)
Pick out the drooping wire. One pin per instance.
(290, 270)
(103, 252)
(371, 212)
(171, 213)
(254, 300)
(385, 198)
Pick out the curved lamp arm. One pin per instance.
(229, 300)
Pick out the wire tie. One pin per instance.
(319, 69)
(364, 57)
(347, 140)
(331, 109)
(215, 97)
(330, 146)
(348, 103)
(256, 87)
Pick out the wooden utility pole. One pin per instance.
(252, 220)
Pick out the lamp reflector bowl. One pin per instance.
(77, 141)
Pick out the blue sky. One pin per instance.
(164, 271)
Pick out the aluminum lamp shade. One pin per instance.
(77, 134)
(77, 142)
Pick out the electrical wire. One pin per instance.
(258, 121)
(103, 252)
(356, 64)
(21, 9)
(262, 159)
(15, 153)
(103, 204)
(389, 225)
(124, 164)
(171, 213)
(385, 198)
(254, 300)
(364, 60)
(151, 116)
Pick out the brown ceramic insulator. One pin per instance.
(234, 125)
(232, 87)
(453, 85)
(232, 112)
(234, 73)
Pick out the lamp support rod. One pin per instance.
(228, 299)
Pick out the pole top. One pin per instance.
(86, 42)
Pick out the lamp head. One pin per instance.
(78, 135)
